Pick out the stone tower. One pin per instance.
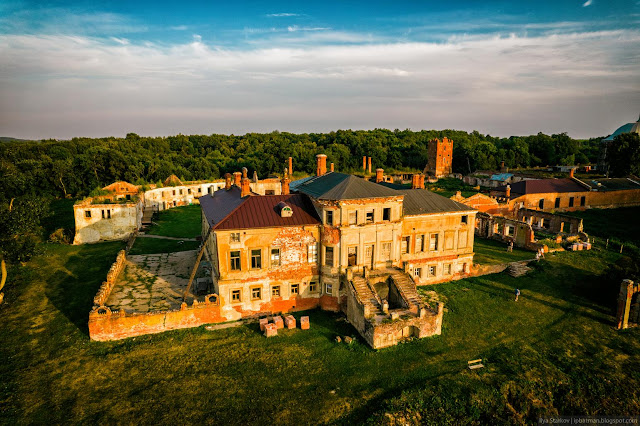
(440, 158)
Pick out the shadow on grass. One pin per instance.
(72, 288)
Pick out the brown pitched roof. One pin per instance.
(543, 186)
(226, 210)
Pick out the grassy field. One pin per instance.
(156, 245)
(447, 187)
(552, 352)
(621, 224)
(491, 252)
(180, 222)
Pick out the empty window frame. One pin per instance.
(447, 269)
(369, 216)
(275, 291)
(235, 260)
(570, 201)
(557, 204)
(256, 293)
(313, 287)
(328, 217)
(404, 245)
(434, 242)
(353, 217)
(328, 256)
(275, 257)
(256, 259)
(295, 289)
(352, 255)
(312, 253)
(432, 270)
(464, 219)
(386, 213)
(87, 214)
(583, 201)
(419, 243)
(236, 296)
(234, 237)
(541, 204)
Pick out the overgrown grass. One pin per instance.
(552, 352)
(447, 187)
(621, 224)
(492, 252)
(157, 245)
(180, 222)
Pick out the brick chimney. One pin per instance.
(237, 176)
(290, 165)
(322, 164)
(364, 163)
(245, 187)
(503, 169)
(421, 181)
(379, 175)
(285, 182)
(369, 165)
(507, 192)
(571, 173)
(415, 181)
(331, 166)
(227, 181)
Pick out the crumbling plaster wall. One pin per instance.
(120, 221)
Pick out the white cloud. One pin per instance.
(64, 86)
(587, 3)
(179, 28)
(282, 15)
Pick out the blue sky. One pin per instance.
(164, 67)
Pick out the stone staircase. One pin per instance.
(518, 269)
(407, 288)
(366, 295)
(147, 215)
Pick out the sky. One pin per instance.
(159, 68)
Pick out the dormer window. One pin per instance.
(285, 209)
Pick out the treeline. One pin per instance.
(77, 166)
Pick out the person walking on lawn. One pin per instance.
(517, 293)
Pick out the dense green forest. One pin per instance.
(77, 166)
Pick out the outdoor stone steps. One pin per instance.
(408, 287)
(366, 295)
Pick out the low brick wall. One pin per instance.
(112, 277)
(105, 325)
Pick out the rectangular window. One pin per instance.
(312, 253)
(419, 243)
(417, 272)
(174, 204)
(557, 203)
(447, 269)
(510, 230)
(464, 219)
(386, 213)
(189, 191)
(256, 259)
(570, 201)
(234, 237)
(433, 242)
(369, 216)
(103, 215)
(313, 287)
(329, 217)
(328, 256)
(275, 291)
(404, 245)
(174, 192)
(352, 255)
(199, 190)
(256, 293)
(583, 201)
(236, 296)
(386, 251)
(541, 204)
(328, 288)
(353, 218)
(275, 257)
(295, 289)
(432, 271)
(235, 260)
(181, 192)
(462, 239)
(87, 213)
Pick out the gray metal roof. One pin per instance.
(341, 186)
(422, 201)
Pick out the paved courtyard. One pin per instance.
(153, 282)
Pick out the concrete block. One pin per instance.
(290, 322)
(278, 322)
(270, 330)
(304, 323)
(579, 246)
(263, 322)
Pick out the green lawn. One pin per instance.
(621, 224)
(156, 245)
(180, 222)
(491, 252)
(554, 351)
(447, 187)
